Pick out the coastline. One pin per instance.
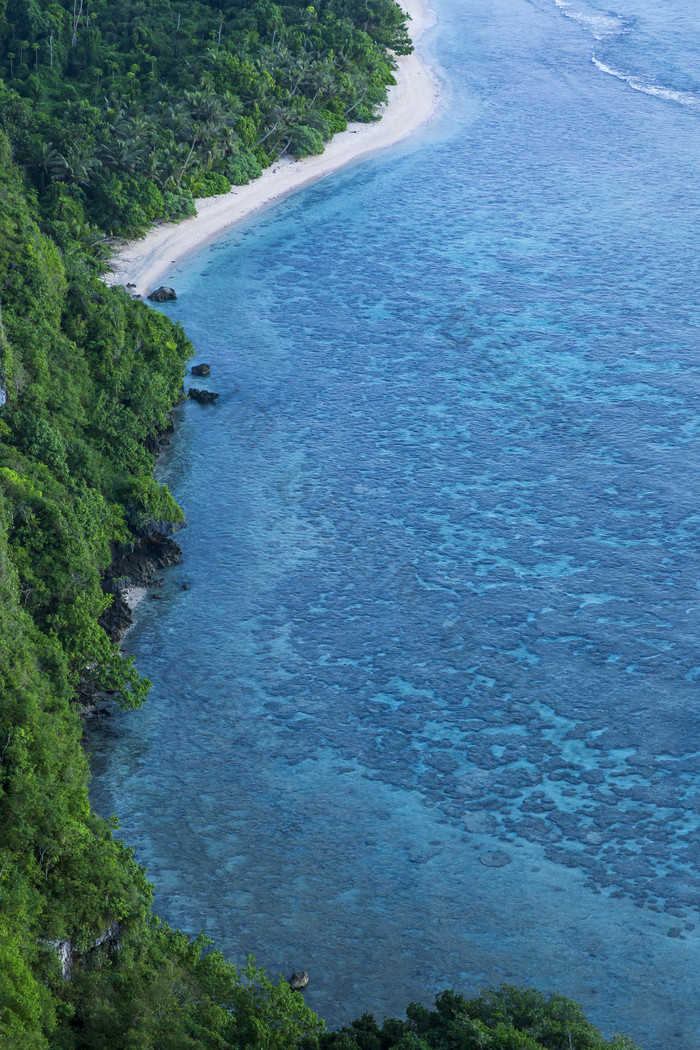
(411, 102)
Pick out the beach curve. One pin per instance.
(412, 100)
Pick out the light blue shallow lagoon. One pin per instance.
(427, 715)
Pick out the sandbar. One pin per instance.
(411, 102)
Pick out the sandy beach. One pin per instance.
(412, 100)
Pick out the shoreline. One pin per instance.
(411, 102)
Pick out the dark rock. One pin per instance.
(134, 565)
(117, 618)
(162, 294)
(203, 396)
(298, 981)
(185, 586)
(96, 704)
(200, 370)
(154, 442)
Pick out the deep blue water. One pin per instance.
(428, 714)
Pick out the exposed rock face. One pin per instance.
(118, 618)
(155, 443)
(203, 396)
(68, 955)
(133, 565)
(200, 370)
(162, 294)
(298, 981)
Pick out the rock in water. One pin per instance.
(298, 981)
(203, 396)
(200, 370)
(496, 858)
(162, 294)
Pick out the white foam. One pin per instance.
(685, 98)
(600, 23)
(605, 24)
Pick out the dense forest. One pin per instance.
(115, 114)
(121, 113)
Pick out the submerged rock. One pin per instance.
(200, 370)
(162, 294)
(496, 858)
(298, 981)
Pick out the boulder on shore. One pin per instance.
(162, 294)
(298, 981)
(200, 370)
(203, 396)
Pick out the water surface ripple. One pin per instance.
(428, 713)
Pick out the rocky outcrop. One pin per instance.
(200, 370)
(69, 956)
(162, 294)
(155, 443)
(299, 980)
(134, 565)
(203, 396)
(118, 618)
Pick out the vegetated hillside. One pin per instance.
(113, 114)
(122, 112)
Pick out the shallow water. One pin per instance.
(428, 714)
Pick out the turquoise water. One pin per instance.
(428, 714)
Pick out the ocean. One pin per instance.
(427, 715)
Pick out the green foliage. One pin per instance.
(209, 184)
(509, 1018)
(89, 375)
(242, 168)
(114, 114)
(304, 141)
(161, 991)
(122, 203)
(129, 108)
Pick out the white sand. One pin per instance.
(411, 102)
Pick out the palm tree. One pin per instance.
(364, 83)
(280, 115)
(322, 79)
(206, 118)
(45, 159)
